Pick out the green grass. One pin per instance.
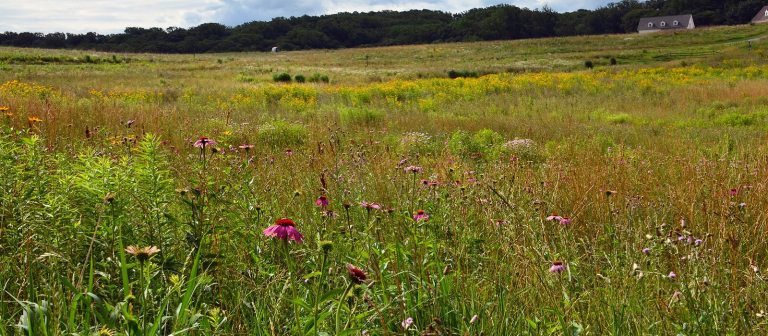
(664, 151)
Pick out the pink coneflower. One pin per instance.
(672, 275)
(413, 169)
(202, 142)
(322, 201)
(356, 275)
(733, 192)
(289, 152)
(565, 221)
(407, 323)
(557, 267)
(370, 206)
(247, 147)
(420, 215)
(554, 218)
(285, 229)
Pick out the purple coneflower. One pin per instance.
(554, 218)
(672, 275)
(142, 253)
(289, 152)
(566, 220)
(202, 142)
(413, 169)
(284, 229)
(370, 206)
(733, 192)
(407, 323)
(322, 201)
(420, 216)
(557, 267)
(646, 251)
(247, 147)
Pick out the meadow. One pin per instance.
(595, 185)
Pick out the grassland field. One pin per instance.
(592, 185)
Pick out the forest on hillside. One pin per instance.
(348, 30)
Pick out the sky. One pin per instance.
(113, 16)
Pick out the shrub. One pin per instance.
(299, 78)
(613, 61)
(280, 133)
(281, 77)
(360, 116)
(316, 77)
(461, 74)
(588, 64)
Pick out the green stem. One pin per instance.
(338, 306)
(317, 292)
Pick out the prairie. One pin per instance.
(588, 185)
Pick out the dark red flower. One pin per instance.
(356, 275)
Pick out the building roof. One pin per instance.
(664, 22)
(761, 15)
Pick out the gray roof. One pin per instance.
(760, 16)
(682, 19)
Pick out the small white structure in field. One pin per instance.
(761, 16)
(274, 49)
(660, 23)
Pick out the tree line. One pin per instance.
(347, 30)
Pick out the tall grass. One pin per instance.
(661, 183)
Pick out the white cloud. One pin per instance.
(104, 16)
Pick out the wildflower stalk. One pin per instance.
(338, 306)
(317, 290)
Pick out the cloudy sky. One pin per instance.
(112, 16)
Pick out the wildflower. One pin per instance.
(104, 331)
(407, 323)
(554, 218)
(4, 108)
(322, 201)
(203, 142)
(420, 215)
(356, 275)
(289, 152)
(672, 275)
(646, 251)
(129, 123)
(246, 147)
(142, 253)
(557, 267)
(697, 242)
(413, 169)
(733, 192)
(370, 206)
(33, 119)
(609, 193)
(402, 162)
(473, 319)
(284, 229)
(565, 221)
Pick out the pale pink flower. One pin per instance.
(557, 267)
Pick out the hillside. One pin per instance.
(349, 30)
